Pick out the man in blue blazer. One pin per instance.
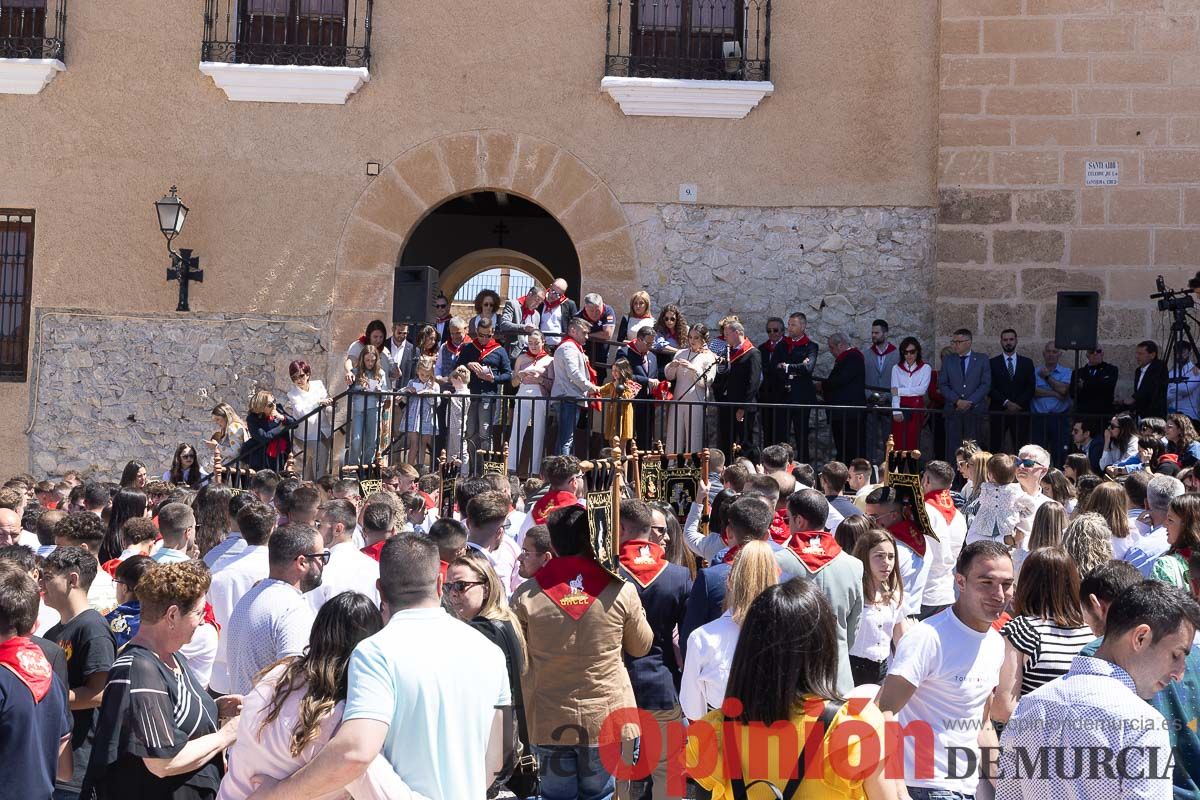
(965, 380)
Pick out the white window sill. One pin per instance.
(27, 75)
(666, 97)
(270, 83)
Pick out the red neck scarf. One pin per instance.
(572, 583)
(890, 348)
(25, 660)
(550, 305)
(792, 344)
(373, 550)
(552, 501)
(847, 352)
(742, 349)
(485, 350)
(210, 616)
(906, 534)
(362, 339)
(731, 554)
(781, 532)
(526, 311)
(916, 367)
(768, 346)
(643, 560)
(442, 320)
(815, 549)
(569, 342)
(110, 566)
(452, 347)
(943, 502)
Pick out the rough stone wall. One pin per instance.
(113, 388)
(842, 267)
(1030, 91)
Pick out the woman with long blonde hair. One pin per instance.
(229, 433)
(710, 647)
(270, 431)
(366, 404)
(296, 706)
(1109, 501)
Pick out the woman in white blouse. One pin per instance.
(910, 383)
(529, 376)
(693, 373)
(1120, 441)
(305, 397)
(710, 647)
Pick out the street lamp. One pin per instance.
(185, 267)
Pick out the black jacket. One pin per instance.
(738, 382)
(1150, 398)
(796, 382)
(641, 373)
(656, 675)
(847, 381)
(1093, 389)
(262, 434)
(1018, 389)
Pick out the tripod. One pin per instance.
(1180, 335)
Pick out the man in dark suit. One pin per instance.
(792, 366)
(1085, 439)
(1093, 388)
(1149, 398)
(771, 390)
(1013, 385)
(645, 372)
(965, 380)
(663, 588)
(737, 382)
(748, 520)
(845, 386)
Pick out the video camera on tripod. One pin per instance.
(1175, 299)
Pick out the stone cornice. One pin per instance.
(27, 75)
(665, 97)
(270, 83)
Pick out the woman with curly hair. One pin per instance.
(1088, 540)
(670, 336)
(1182, 438)
(1183, 536)
(487, 306)
(159, 734)
(213, 520)
(296, 706)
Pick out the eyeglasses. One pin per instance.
(774, 330)
(441, 305)
(960, 341)
(910, 352)
(1027, 463)
(459, 587)
(578, 476)
(323, 557)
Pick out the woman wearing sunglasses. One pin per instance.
(910, 384)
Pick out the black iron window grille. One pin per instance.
(322, 33)
(32, 28)
(16, 285)
(689, 39)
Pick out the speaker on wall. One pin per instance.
(412, 294)
(1076, 319)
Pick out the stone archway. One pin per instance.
(425, 176)
(454, 276)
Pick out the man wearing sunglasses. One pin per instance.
(441, 315)
(1032, 463)
(555, 312)
(273, 620)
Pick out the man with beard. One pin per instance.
(273, 620)
(791, 366)
(738, 383)
(878, 361)
(1012, 393)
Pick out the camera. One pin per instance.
(1175, 299)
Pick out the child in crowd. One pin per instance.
(618, 416)
(882, 621)
(420, 422)
(456, 419)
(1002, 505)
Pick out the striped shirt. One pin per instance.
(1048, 648)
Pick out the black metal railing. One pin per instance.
(32, 28)
(364, 431)
(322, 33)
(690, 39)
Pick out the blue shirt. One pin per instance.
(30, 734)
(436, 682)
(1052, 405)
(167, 555)
(1179, 703)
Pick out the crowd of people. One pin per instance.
(992, 631)
(539, 374)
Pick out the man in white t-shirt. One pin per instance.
(349, 569)
(941, 678)
(233, 579)
(427, 691)
(951, 529)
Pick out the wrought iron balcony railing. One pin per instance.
(322, 33)
(689, 39)
(32, 28)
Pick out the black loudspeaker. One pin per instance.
(1076, 320)
(412, 294)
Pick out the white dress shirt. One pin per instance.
(348, 570)
(706, 668)
(229, 585)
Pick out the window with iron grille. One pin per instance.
(32, 28)
(325, 33)
(16, 284)
(689, 39)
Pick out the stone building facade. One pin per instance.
(932, 175)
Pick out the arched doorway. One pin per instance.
(466, 236)
(426, 176)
